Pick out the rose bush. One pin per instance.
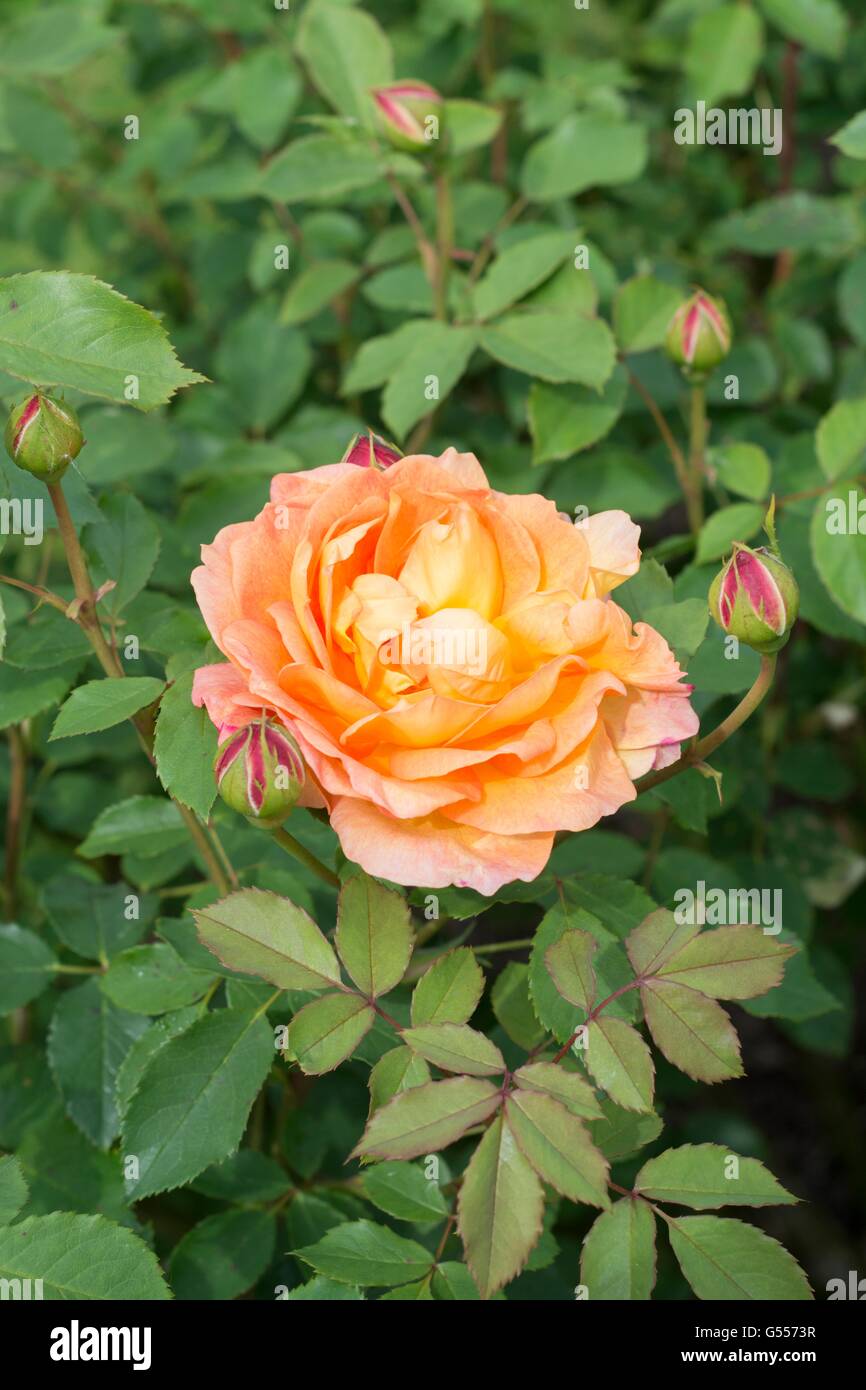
(518, 700)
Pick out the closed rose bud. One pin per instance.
(260, 773)
(755, 598)
(699, 334)
(368, 450)
(408, 114)
(43, 436)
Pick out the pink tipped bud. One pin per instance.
(699, 334)
(408, 114)
(43, 436)
(368, 450)
(260, 773)
(755, 598)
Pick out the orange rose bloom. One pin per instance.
(447, 658)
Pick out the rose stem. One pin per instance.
(88, 620)
(294, 847)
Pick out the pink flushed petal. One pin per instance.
(31, 410)
(397, 115)
(691, 329)
(715, 320)
(761, 589)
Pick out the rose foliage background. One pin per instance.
(500, 1067)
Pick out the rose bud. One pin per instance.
(43, 436)
(260, 773)
(368, 450)
(699, 334)
(755, 598)
(404, 111)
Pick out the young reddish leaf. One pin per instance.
(558, 1147)
(729, 963)
(500, 1209)
(374, 934)
(657, 938)
(566, 1086)
(427, 1118)
(450, 989)
(569, 963)
(621, 1063)
(727, 1259)
(709, 1175)
(692, 1031)
(456, 1047)
(327, 1031)
(619, 1253)
(260, 933)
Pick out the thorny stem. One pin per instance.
(42, 594)
(592, 1016)
(678, 458)
(704, 747)
(88, 619)
(300, 852)
(426, 250)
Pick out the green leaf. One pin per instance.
(851, 138)
(265, 363)
(328, 1030)
(52, 40)
(321, 1290)
(427, 1118)
(621, 1132)
(396, 1071)
(726, 1259)
(620, 1062)
(470, 125)
(195, 1095)
(24, 694)
(838, 550)
(60, 329)
(724, 49)
(346, 53)
(455, 1047)
(362, 1252)
(519, 269)
(88, 1040)
(402, 1190)
(734, 962)
(820, 25)
(658, 937)
(316, 286)
(374, 935)
(155, 1036)
(320, 169)
(426, 375)
(615, 902)
(567, 1087)
(153, 979)
(558, 1147)
(13, 1189)
(840, 439)
(586, 150)
(96, 920)
(127, 543)
(554, 346)
(619, 1254)
(452, 1282)
(738, 522)
(708, 1175)
(512, 1005)
(223, 1255)
(102, 703)
(744, 469)
(500, 1209)
(259, 933)
(642, 311)
(379, 358)
(185, 748)
(248, 1176)
(692, 1031)
(683, 625)
(81, 1257)
(141, 825)
(26, 967)
(563, 420)
(449, 991)
(569, 962)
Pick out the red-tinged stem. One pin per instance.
(301, 853)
